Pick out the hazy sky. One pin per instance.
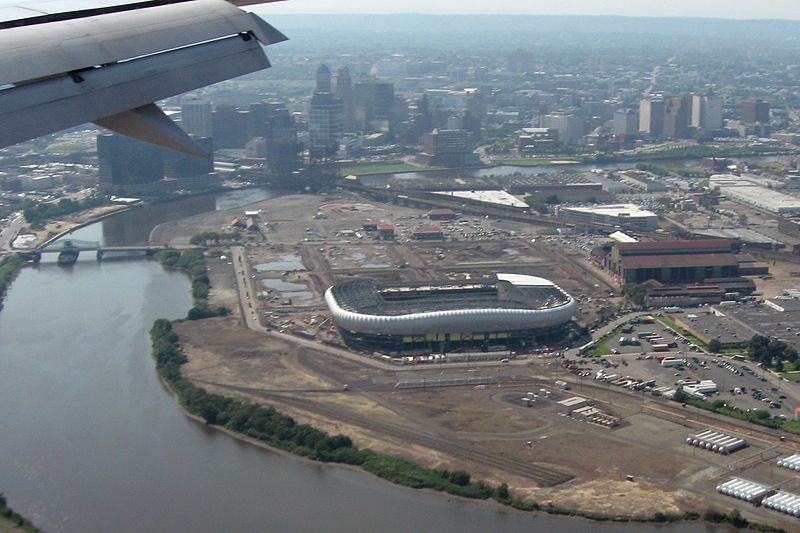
(779, 9)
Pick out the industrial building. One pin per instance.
(752, 191)
(629, 216)
(501, 312)
(673, 261)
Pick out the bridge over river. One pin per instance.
(75, 245)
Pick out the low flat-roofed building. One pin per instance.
(441, 214)
(386, 231)
(683, 295)
(729, 332)
(428, 233)
(623, 215)
(755, 191)
(622, 237)
(571, 404)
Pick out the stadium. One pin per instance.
(501, 312)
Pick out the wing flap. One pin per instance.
(150, 124)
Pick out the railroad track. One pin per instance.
(543, 476)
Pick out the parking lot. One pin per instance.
(742, 384)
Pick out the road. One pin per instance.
(10, 232)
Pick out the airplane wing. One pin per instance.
(68, 62)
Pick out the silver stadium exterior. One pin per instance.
(505, 311)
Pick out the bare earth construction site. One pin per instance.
(457, 415)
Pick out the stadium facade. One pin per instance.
(501, 312)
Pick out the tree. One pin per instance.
(635, 293)
(714, 346)
(502, 492)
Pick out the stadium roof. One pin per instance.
(504, 291)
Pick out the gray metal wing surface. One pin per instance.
(67, 62)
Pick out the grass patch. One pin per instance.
(361, 169)
(9, 267)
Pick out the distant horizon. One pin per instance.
(714, 9)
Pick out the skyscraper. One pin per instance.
(626, 122)
(196, 115)
(344, 92)
(323, 79)
(282, 146)
(707, 112)
(755, 111)
(568, 125)
(230, 127)
(676, 118)
(325, 118)
(373, 102)
(651, 116)
(128, 166)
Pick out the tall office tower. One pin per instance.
(128, 166)
(259, 119)
(323, 79)
(449, 148)
(474, 111)
(324, 125)
(182, 166)
(651, 116)
(383, 100)
(626, 122)
(568, 125)
(196, 115)
(713, 112)
(707, 112)
(676, 118)
(421, 118)
(373, 103)
(344, 91)
(282, 145)
(755, 111)
(230, 127)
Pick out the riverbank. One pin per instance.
(56, 229)
(12, 522)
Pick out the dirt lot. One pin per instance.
(481, 429)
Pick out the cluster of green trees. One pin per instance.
(193, 263)
(755, 416)
(16, 519)
(542, 205)
(770, 353)
(735, 518)
(215, 237)
(37, 214)
(635, 293)
(8, 270)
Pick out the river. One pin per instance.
(90, 441)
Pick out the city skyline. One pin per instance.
(734, 9)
